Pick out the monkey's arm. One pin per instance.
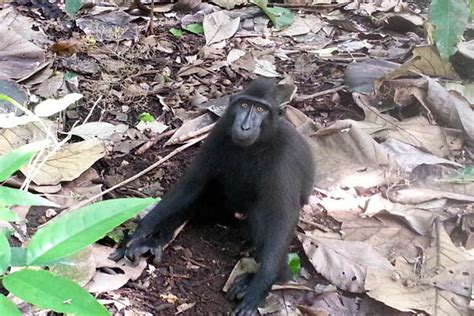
(156, 229)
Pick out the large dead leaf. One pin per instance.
(439, 178)
(82, 188)
(79, 267)
(67, 163)
(427, 61)
(418, 132)
(420, 217)
(410, 287)
(343, 263)
(26, 27)
(415, 131)
(409, 157)
(15, 137)
(345, 155)
(458, 279)
(449, 109)
(18, 56)
(101, 130)
(218, 26)
(390, 237)
(303, 25)
(105, 282)
(419, 195)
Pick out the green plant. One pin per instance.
(450, 18)
(294, 263)
(59, 239)
(280, 17)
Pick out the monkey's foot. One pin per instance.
(238, 291)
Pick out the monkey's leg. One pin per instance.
(272, 228)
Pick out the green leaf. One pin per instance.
(146, 117)
(71, 232)
(450, 19)
(72, 6)
(7, 307)
(7, 215)
(176, 32)
(5, 254)
(195, 28)
(45, 290)
(294, 262)
(13, 160)
(18, 257)
(280, 17)
(9, 196)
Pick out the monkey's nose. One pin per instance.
(245, 127)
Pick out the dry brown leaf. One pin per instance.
(410, 287)
(101, 130)
(67, 163)
(12, 138)
(449, 109)
(81, 188)
(419, 195)
(426, 61)
(26, 56)
(67, 48)
(420, 217)
(106, 282)
(218, 26)
(343, 263)
(349, 157)
(303, 25)
(409, 157)
(387, 235)
(79, 267)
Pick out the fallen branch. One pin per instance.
(141, 173)
(318, 94)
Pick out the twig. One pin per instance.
(143, 148)
(138, 175)
(318, 94)
(191, 135)
(92, 110)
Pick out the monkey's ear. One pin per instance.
(283, 93)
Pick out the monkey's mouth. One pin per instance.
(243, 141)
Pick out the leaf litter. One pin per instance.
(386, 221)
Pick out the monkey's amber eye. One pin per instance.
(244, 105)
(260, 109)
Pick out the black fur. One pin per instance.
(268, 177)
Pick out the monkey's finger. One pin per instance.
(244, 309)
(134, 252)
(118, 254)
(157, 252)
(237, 290)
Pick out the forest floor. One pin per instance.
(147, 69)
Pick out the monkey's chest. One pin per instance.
(238, 189)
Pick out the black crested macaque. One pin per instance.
(253, 162)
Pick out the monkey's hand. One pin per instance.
(238, 291)
(138, 246)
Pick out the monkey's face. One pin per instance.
(249, 120)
